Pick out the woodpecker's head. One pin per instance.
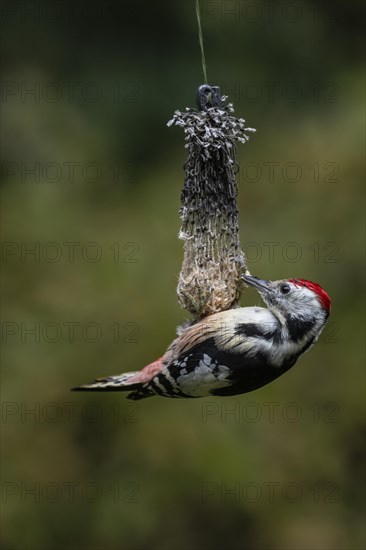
(292, 297)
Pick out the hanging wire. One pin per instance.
(200, 36)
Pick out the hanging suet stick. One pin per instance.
(213, 262)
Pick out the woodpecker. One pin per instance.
(234, 351)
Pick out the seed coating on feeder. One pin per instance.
(210, 279)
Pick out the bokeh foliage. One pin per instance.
(176, 458)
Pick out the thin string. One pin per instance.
(200, 36)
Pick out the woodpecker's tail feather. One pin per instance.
(136, 382)
(120, 382)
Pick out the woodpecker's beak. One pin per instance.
(260, 284)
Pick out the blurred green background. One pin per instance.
(91, 183)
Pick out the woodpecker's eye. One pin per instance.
(285, 289)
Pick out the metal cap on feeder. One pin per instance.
(208, 96)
